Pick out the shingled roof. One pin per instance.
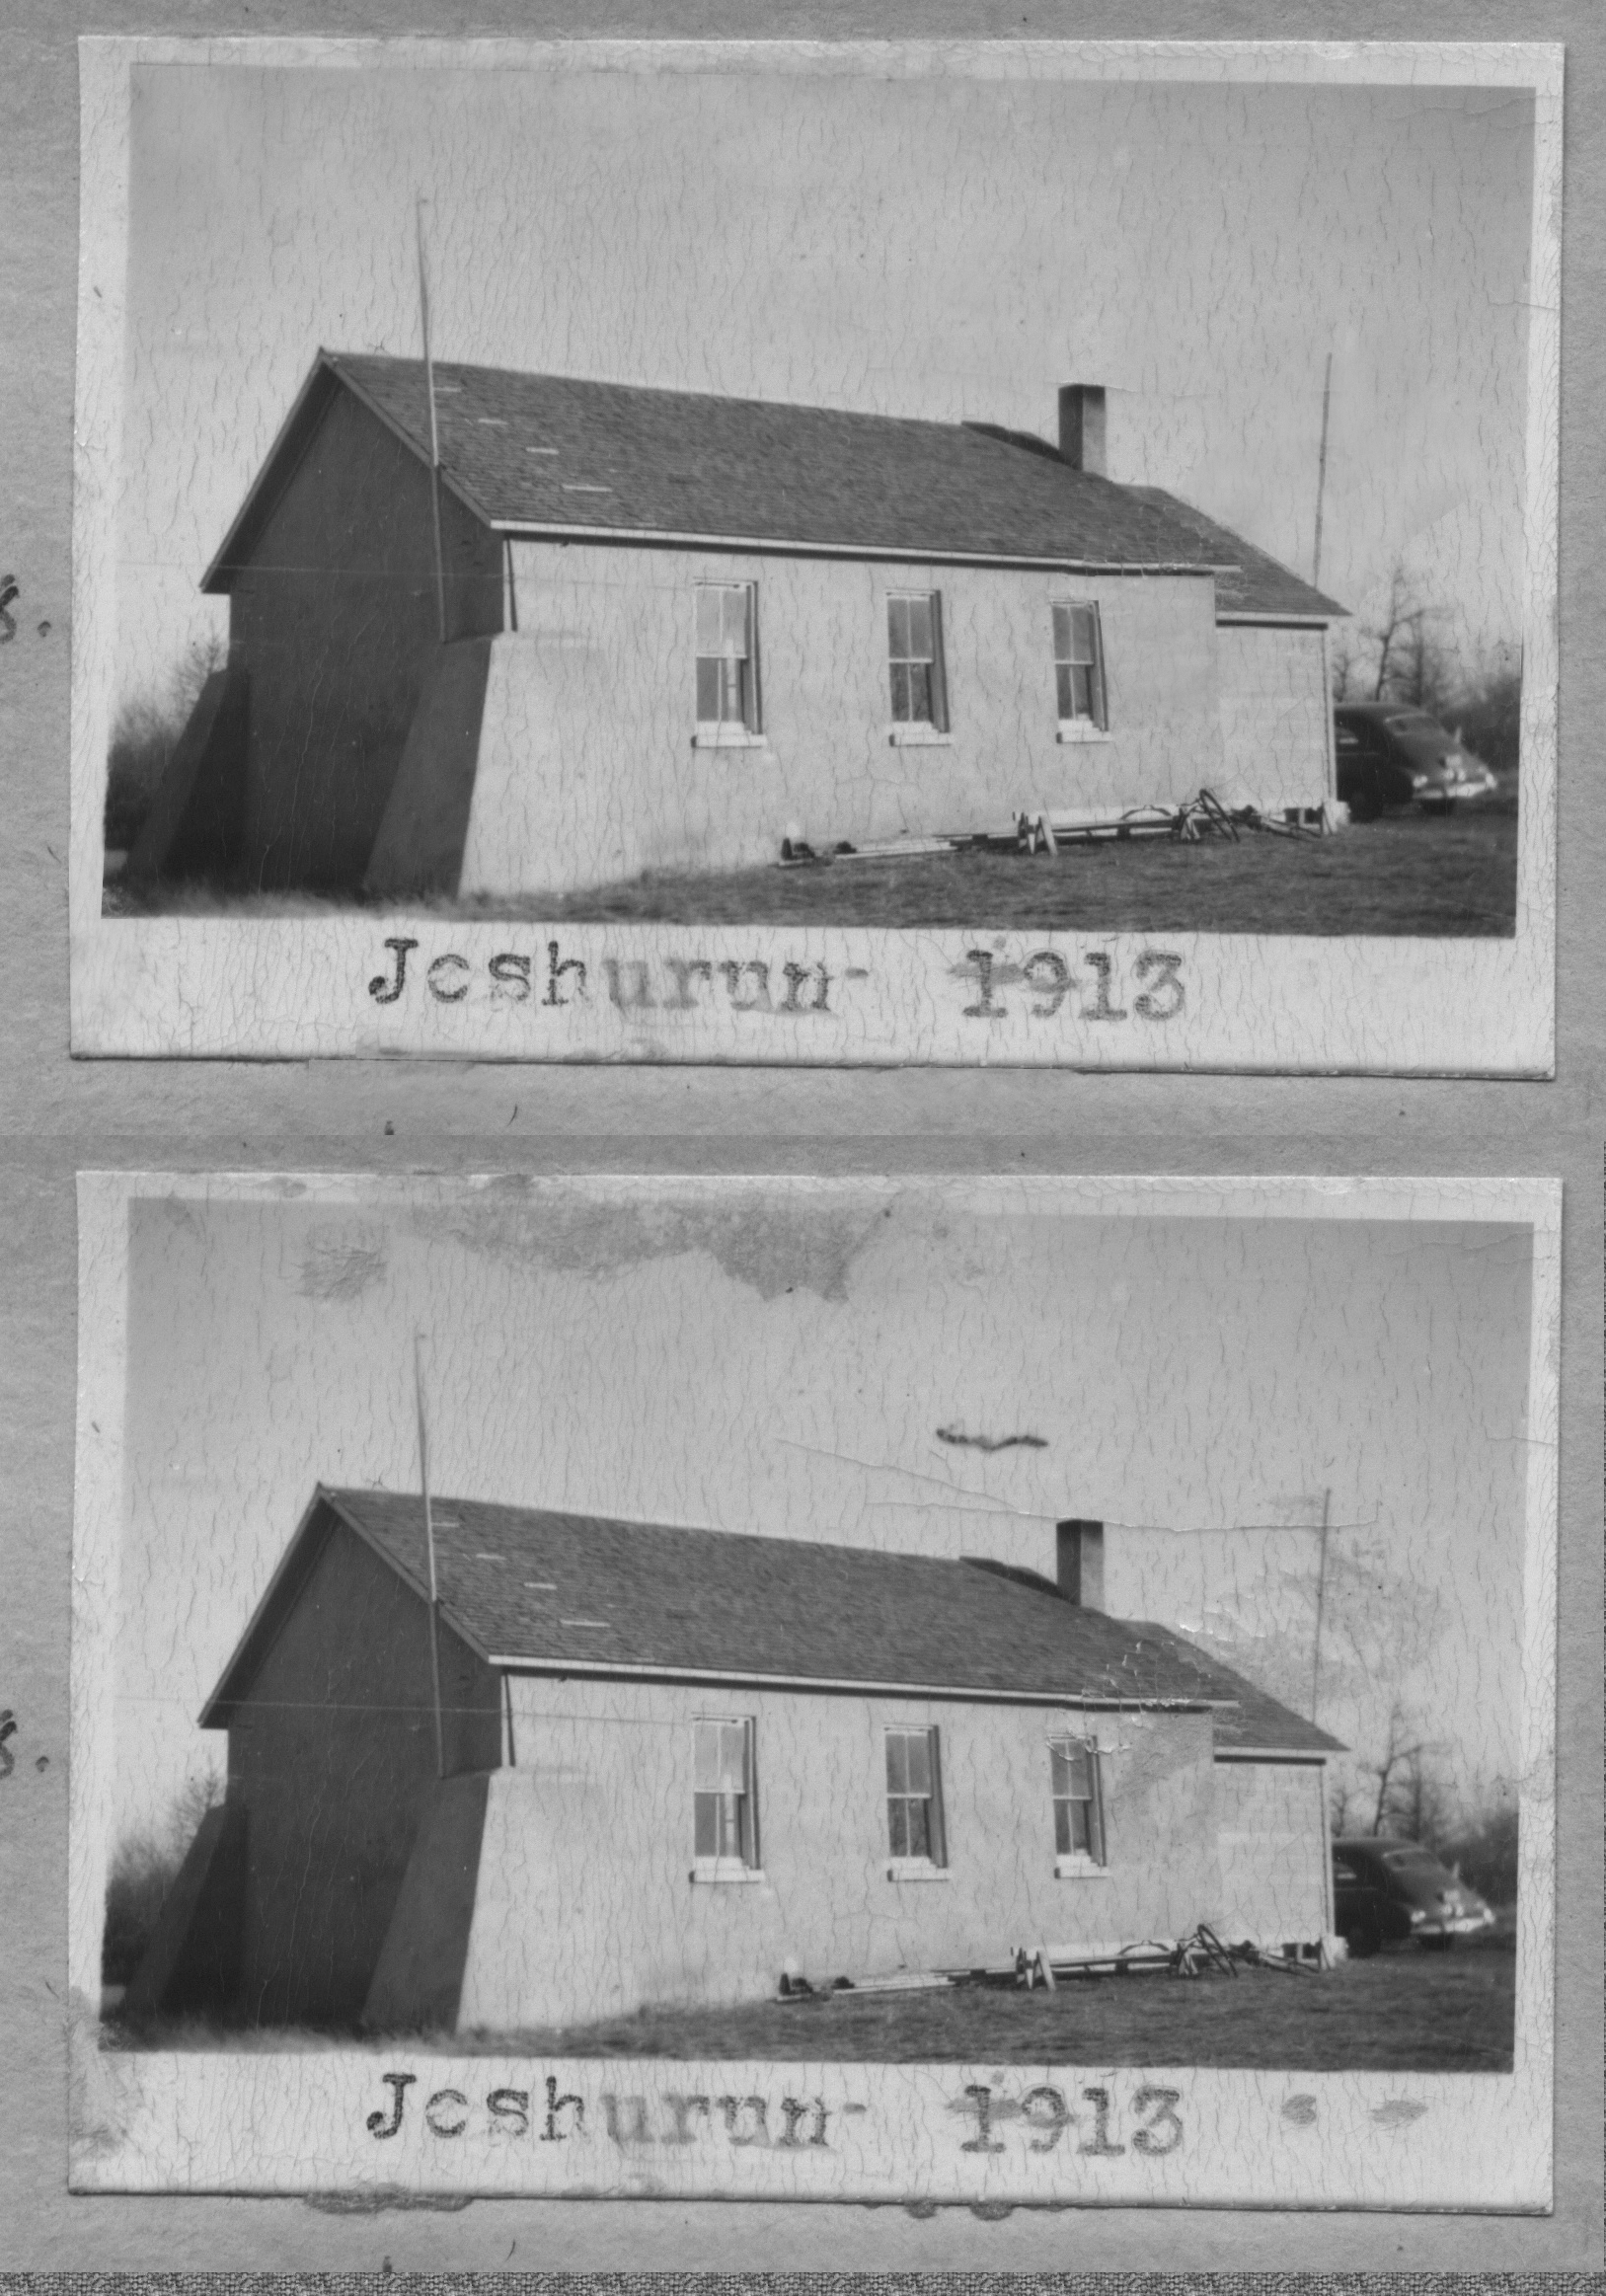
(555, 454)
(1250, 586)
(530, 1588)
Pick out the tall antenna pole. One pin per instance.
(1321, 472)
(430, 1543)
(435, 433)
(1321, 1591)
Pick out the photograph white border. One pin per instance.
(300, 987)
(179, 2121)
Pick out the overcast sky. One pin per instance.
(930, 246)
(782, 1362)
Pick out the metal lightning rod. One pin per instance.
(1322, 472)
(435, 433)
(1320, 1592)
(430, 1543)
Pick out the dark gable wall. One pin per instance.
(336, 619)
(332, 1757)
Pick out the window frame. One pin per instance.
(719, 1865)
(936, 729)
(1093, 1861)
(745, 731)
(1094, 725)
(932, 1863)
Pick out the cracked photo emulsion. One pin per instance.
(785, 551)
(932, 1690)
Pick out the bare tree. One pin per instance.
(205, 653)
(1424, 1803)
(1409, 660)
(203, 1789)
(1381, 1624)
(1405, 654)
(1339, 1795)
(1423, 681)
(1365, 1676)
(146, 731)
(1408, 1792)
(144, 1867)
(1344, 662)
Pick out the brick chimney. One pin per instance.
(1080, 1563)
(1082, 427)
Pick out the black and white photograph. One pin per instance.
(930, 1690)
(801, 1145)
(769, 552)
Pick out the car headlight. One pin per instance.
(1416, 1915)
(1419, 781)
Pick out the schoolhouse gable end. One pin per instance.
(677, 1762)
(669, 628)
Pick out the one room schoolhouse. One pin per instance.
(671, 1765)
(599, 629)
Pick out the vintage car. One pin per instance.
(1386, 1891)
(1389, 754)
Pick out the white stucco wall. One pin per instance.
(585, 1905)
(1275, 717)
(587, 768)
(1273, 1848)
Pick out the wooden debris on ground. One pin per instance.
(1046, 831)
(1041, 1967)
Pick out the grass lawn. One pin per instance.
(1403, 2012)
(1403, 875)
(1407, 873)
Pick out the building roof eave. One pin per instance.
(290, 442)
(453, 486)
(295, 436)
(408, 1578)
(1043, 1656)
(1315, 1756)
(1229, 618)
(783, 546)
(280, 1596)
(735, 1678)
(263, 1623)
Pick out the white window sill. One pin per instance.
(1079, 1869)
(1081, 730)
(916, 1870)
(724, 1873)
(726, 738)
(918, 738)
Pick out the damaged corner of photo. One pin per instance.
(473, 659)
(1054, 1703)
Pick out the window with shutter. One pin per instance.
(727, 661)
(1079, 670)
(1077, 1787)
(914, 650)
(724, 1812)
(914, 1803)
